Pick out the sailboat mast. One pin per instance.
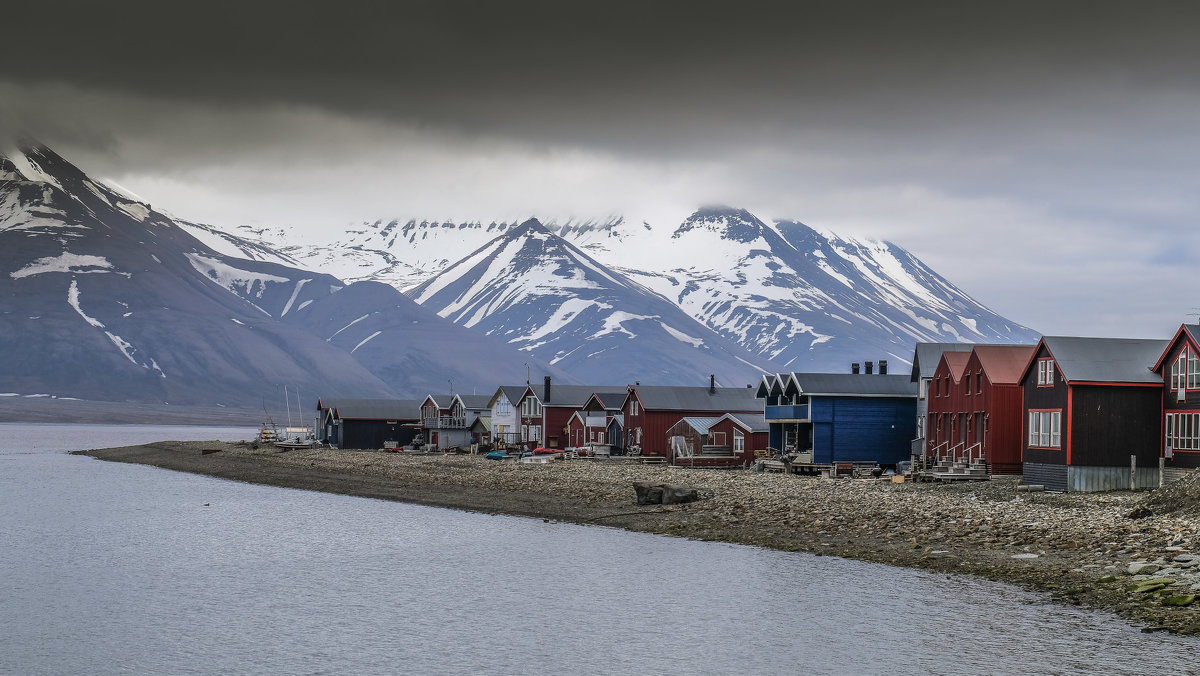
(287, 402)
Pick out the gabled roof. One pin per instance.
(474, 402)
(927, 355)
(577, 395)
(1004, 364)
(439, 400)
(751, 422)
(701, 425)
(956, 363)
(767, 386)
(376, 409)
(1190, 332)
(855, 385)
(512, 392)
(683, 398)
(618, 420)
(1103, 360)
(607, 400)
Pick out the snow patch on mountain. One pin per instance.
(81, 264)
(243, 282)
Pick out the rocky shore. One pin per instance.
(1082, 548)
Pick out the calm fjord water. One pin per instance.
(114, 568)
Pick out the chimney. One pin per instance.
(883, 367)
(546, 391)
(854, 368)
(869, 367)
(712, 383)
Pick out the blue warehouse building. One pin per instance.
(827, 418)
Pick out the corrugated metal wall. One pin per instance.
(1091, 479)
(1053, 477)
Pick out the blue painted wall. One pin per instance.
(870, 429)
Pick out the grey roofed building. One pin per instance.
(754, 422)
(684, 398)
(576, 395)
(854, 385)
(512, 392)
(1105, 360)
(373, 409)
(474, 401)
(927, 355)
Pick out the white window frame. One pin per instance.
(1183, 430)
(1045, 373)
(633, 407)
(1045, 429)
(739, 442)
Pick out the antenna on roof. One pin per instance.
(526, 373)
(1194, 313)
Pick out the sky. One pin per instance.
(1040, 155)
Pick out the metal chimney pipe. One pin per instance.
(870, 367)
(712, 383)
(883, 367)
(546, 391)
(854, 368)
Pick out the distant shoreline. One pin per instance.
(26, 409)
(1077, 547)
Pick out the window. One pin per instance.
(503, 407)
(1045, 429)
(1045, 377)
(1183, 431)
(739, 442)
(535, 433)
(979, 382)
(531, 407)
(1185, 370)
(633, 407)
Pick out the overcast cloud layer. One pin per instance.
(1042, 158)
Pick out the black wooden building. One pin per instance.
(369, 423)
(1089, 405)
(1179, 368)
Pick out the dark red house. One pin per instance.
(975, 406)
(1090, 404)
(1179, 369)
(651, 410)
(731, 440)
(543, 416)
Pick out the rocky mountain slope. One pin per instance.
(106, 298)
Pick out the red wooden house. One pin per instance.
(652, 410)
(589, 425)
(731, 440)
(1179, 368)
(946, 433)
(1089, 405)
(544, 416)
(975, 406)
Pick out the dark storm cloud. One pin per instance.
(954, 128)
(629, 73)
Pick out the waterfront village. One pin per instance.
(1067, 414)
(1064, 466)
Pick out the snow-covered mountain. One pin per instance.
(543, 295)
(106, 298)
(808, 300)
(784, 292)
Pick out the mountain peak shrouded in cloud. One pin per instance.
(735, 224)
(964, 131)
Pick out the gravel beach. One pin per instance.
(1082, 548)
